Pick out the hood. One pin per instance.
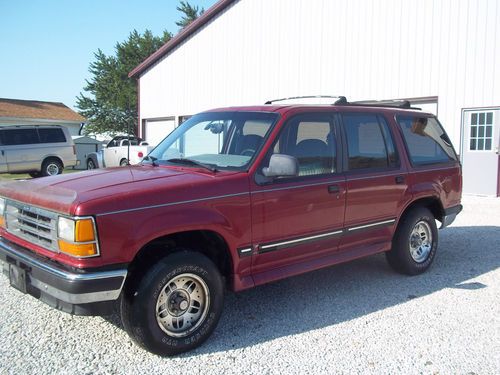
(64, 192)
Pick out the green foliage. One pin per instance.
(110, 99)
(190, 13)
(112, 103)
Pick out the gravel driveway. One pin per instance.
(358, 317)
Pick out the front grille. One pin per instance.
(32, 224)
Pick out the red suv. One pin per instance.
(234, 197)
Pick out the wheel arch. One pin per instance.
(432, 203)
(46, 158)
(207, 242)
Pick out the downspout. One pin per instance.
(139, 132)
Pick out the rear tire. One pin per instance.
(415, 242)
(123, 162)
(51, 167)
(91, 164)
(175, 306)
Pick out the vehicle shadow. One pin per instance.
(348, 291)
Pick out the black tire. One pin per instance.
(51, 167)
(415, 242)
(91, 164)
(142, 298)
(123, 162)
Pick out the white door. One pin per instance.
(156, 130)
(479, 151)
(110, 156)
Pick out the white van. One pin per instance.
(40, 150)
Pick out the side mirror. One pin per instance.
(281, 165)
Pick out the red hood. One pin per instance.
(112, 188)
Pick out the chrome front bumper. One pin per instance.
(82, 293)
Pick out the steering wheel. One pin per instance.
(247, 152)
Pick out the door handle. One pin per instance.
(399, 179)
(333, 189)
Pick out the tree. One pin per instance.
(190, 13)
(111, 106)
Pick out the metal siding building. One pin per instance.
(445, 52)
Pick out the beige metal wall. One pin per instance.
(262, 49)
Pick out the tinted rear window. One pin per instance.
(426, 140)
(55, 135)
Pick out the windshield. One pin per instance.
(220, 140)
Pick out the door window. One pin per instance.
(369, 144)
(12, 137)
(481, 131)
(311, 139)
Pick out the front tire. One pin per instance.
(123, 162)
(415, 242)
(175, 306)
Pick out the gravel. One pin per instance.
(358, 317)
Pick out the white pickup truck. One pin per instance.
(120, 151)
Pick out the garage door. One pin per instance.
(155, 130)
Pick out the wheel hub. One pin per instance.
(182, 305)
(178, 303)
(420, 241)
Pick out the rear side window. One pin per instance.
(426, 140)
(12, 137)
(369, 144)
(55, 135)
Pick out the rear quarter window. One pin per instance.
(426, 141)
(55, 135)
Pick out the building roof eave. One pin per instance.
(183, 35)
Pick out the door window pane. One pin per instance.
(312, 141)
(481, 137)
(366, 145)
(20, 137)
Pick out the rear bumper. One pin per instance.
(450, 214)
(76, 292)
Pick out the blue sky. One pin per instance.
(47, 45)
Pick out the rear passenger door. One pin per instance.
(376, 182)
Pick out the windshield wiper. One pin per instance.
(192, 162)
(154, 161)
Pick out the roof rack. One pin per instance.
(342, 100)
(379, 103)
(304, 97)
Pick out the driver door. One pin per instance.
(110, 155)
(297, 220)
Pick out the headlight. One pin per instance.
(77, 237)
(2, 211)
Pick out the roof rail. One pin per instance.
(304, 97)
(380, 103)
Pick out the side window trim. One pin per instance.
(381, 122)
